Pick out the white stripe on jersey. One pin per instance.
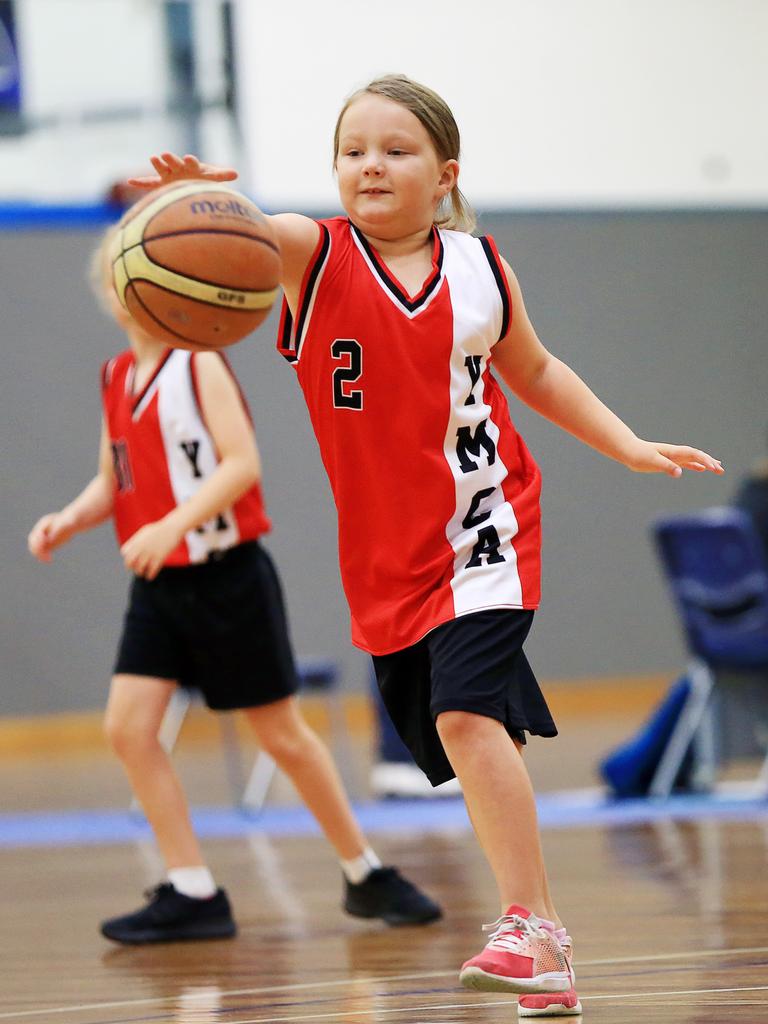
(309, 305)
(148, 395)
(180, 424)
(475, 293)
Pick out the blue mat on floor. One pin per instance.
(567, 809)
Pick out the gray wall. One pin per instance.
(663, 314)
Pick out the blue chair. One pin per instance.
(718, 574)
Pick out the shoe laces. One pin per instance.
(511, 931)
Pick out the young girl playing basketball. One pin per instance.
(395, 320)
(179, 474)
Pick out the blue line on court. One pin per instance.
(568, 809)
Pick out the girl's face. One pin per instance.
(390, 177)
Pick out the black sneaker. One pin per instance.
(169, 916)
(386, 894)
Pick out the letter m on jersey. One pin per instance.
(468, 444)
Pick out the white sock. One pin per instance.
(195, 882)
(358, 869)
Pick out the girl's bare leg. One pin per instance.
(282, 732)
(501, 805)
(134, 712)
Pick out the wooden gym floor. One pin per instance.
(669, 914)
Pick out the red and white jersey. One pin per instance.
(162, 453)
(437, 495)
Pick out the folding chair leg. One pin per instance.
(233, 761)
(761, 782)
(704, 772)
(173, 719)
(702, 681)
(260, 780)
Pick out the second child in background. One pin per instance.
(179, 473)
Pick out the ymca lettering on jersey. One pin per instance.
(162, 453)
(192, 450)
(437, 495)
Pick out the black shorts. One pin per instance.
(218, 627)
(474, 663)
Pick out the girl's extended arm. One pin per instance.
(296, 235)
(92, 506)
(550, 387)
(238, 469)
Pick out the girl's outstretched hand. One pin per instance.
(171, 168)
(48, 534)
(672, 459)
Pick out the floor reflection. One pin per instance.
(198, 1004)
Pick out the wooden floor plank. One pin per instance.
(670, 922)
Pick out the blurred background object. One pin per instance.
(752, 497)
(617, 154)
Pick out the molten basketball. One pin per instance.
(196, 264)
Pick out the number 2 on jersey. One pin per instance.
(351, 352)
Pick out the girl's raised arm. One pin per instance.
(550, 387)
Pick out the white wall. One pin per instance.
(79, 57)
(98, 53)
(560, 102)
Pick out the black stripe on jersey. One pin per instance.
(501, 281)
(140, 397)
(432, 282)
(285, 337)
(306, 299)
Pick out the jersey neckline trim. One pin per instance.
(136, 400)
(411, 303)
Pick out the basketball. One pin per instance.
(196, 264)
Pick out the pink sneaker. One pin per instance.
(554, 1004)
(549, 1004)
(523, 955)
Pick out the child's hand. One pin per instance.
(656, 457)
(146, 551)
(49, 533)
(171, 168)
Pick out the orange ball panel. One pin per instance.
(231, 261)
(187, 323)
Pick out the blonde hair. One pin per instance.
(98, 269)
(435, 115)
